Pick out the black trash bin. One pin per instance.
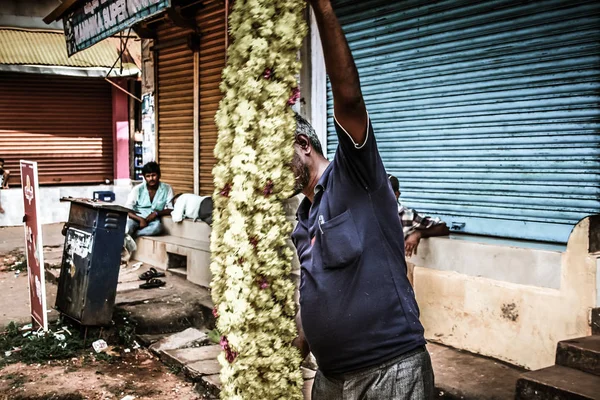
(89, 272)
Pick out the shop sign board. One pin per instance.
(95, 20)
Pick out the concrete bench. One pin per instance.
(184, 250)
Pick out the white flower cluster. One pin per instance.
(251, 260)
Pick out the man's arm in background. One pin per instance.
(348, 102)
(6, 175)
(435, 230)
(420, 227)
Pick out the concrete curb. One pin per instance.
(190, 352)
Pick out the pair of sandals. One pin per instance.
(150, 277)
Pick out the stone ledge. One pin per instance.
(197, 230)
(194, 354)
(496, 259)
(180, 242)
(179, 340)
(52, 210)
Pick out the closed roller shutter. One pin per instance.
(486, 111)
(63, 123)
(175, 108)
(211, 20)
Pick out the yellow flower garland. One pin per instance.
(251, 260)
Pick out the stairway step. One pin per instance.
(558, 383)
(582, 353)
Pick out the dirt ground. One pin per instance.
(138, 374)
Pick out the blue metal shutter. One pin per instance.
(487, 112)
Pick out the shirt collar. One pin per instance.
(159, 190)
(319, 187)
(324, 179)
(303, 209)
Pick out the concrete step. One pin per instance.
(166, 251)
(174, 307)
(582, 354)
(460, 375)
(200, 364)
(187, 229)
(558, 383)
(192, 244)
(179, 271)
(190, 337)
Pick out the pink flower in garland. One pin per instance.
(254, 242)
(294, 97)
(268, 74)
(215, 312)
(268, 190)
(226, 190)
(230, 355)
(263, 283)
(224, 342)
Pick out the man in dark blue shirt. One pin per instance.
(358, 310)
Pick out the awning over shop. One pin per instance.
(88, 22)
(44, 52)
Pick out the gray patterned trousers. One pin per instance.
(408, 377)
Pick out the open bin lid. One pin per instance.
(97, 204)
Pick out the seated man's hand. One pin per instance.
(412, 243)
(152, 216)
(143, 223)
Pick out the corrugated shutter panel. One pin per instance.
(211, 20)
(63, 123)
(487, 112)
(175, 109)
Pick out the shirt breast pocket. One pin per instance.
(340, 242)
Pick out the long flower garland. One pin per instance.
(251, 260)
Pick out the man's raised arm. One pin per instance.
(348, 103)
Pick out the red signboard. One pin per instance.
(33, 243)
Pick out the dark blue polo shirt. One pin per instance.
(358, 308)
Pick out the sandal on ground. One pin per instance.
(152, 283)
(151, 273)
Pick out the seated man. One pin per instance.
(416, 226)
(150, 201)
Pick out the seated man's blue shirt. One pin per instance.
(358, 308)
(139, 199)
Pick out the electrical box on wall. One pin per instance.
(138, 161)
